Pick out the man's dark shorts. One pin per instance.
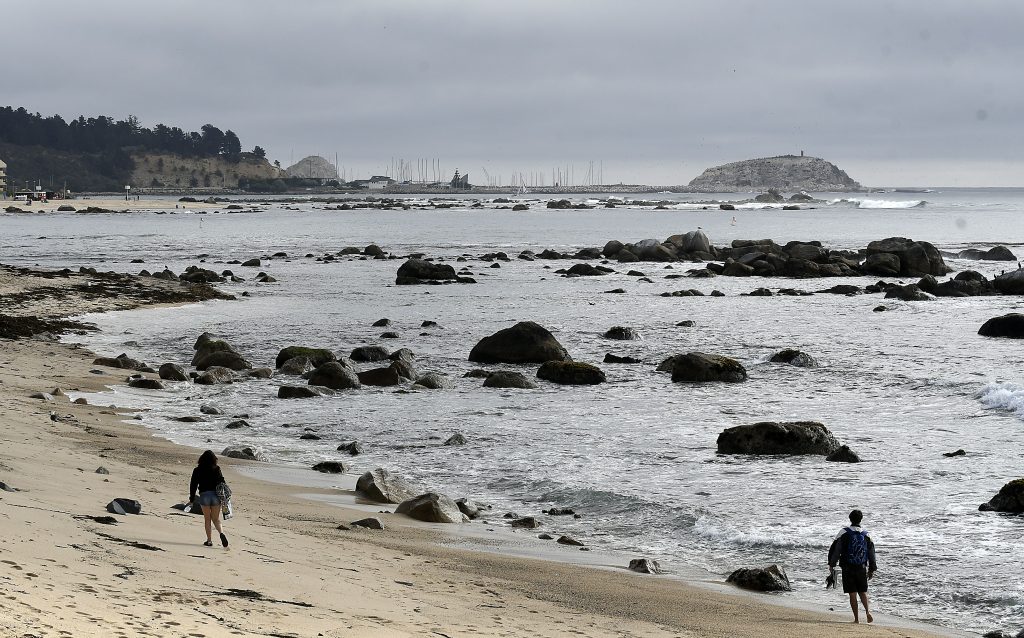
(855, 579)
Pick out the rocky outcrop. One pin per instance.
(644, 566)
(245, 452)
(794, 358)
(698, 367)
(216, 352)
(173, 372)
(312, 167)
(916, 258)
(843, 455)
(784, 172)
(215, 375)
(369, 353)
(525, 342)
(996, 253)
(767, 437)
(431, 508)
(621, 333)
(1009, 499)
(771, 578)
(1010, 283)
(570, 373)
(420, 271)
(1009, 325)
(383, 486)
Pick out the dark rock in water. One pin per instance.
(726, 207)
(251, 263)
(767, 437)
(258, 373)
(124, 506)
(431, 508)
(146, 384)
(456, 439)
(560, 511)
(879, 309)
(383, 486)
(368, 523)
(477, 373)
(585, 270)
(956, 453)
(526, 522)
(221, 358)
(245, 452)
(545, 536)
(210, 409)
(843, 289)
(621, 333)
(1010, 283)
(373, 250)
(122, 361)
(1009, 499)
(910, 292)
(996, 253)
(381, 377)
(615, 291)
(390, 335)
(173, 372)
(569, 540)
(644, 566)
(1009, 325)
(504, 379)
(470, 508)
(298, 392)
(698, 367)
(331, 467)
(237, 425)
(611, 358)
(369, 353)
(883, 264)
(570, 373)
(434, 381)
(843, 455)
(335, 376)
(354, 448)
(794, 358)
(316, 356)
(772, 578)
(625, 256)
(419, 271)
(686, 323)
(296, 366)
(309, 436)
(381, 323)
(916, 258)
(525, 342)
(402, 354)
(428, 324)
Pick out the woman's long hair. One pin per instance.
(208, 459)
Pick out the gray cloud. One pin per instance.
(914, 92)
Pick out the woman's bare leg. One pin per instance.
(207, 520)
(216, 518)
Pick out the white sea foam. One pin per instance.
(878, 203)
(780, 538)
(1000, 395)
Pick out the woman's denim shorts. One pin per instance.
(209, 498)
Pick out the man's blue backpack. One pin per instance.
(855, 549)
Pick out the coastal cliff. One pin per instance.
(785, 172)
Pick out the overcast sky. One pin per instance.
(895, 93)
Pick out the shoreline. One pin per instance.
(418, 582)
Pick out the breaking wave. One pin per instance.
(1000, 395)
(878, 203)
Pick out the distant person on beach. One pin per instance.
(205, 479)
(854, 551)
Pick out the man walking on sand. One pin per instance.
(854, 551)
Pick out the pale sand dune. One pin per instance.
(66, 575)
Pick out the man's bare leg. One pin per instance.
(853, 606)
(867, 610)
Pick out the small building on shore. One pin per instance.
(379, 182)
(3, 177)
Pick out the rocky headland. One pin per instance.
(784, 172)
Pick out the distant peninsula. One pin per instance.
(782, 173)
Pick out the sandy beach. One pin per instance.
(289, 570)
(111, 203)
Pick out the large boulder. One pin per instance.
(1010, 325)
(1009, 499)
(382, 377)
(383, 486)
(296, 366)
(503, 379)
(882, 264)
(692, 242)
(316, 356)
(173, 372)
(431, 508)
(1010, 283)
(917, 258)
(525, 342)
(767, 437)
(698, 367)
(910, 292)
(612, 248)
(419, 271)
(771, 578)
(215, 375)
(570, 373)
(223, 358)
(434, 381)
(298, 392)
(369, 353)
(809, 252)
(144, 383)
(585, 270)
(999, 253)
(621, 333)
(335, 376)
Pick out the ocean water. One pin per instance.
(636, 455)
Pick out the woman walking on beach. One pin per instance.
(205, 479)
